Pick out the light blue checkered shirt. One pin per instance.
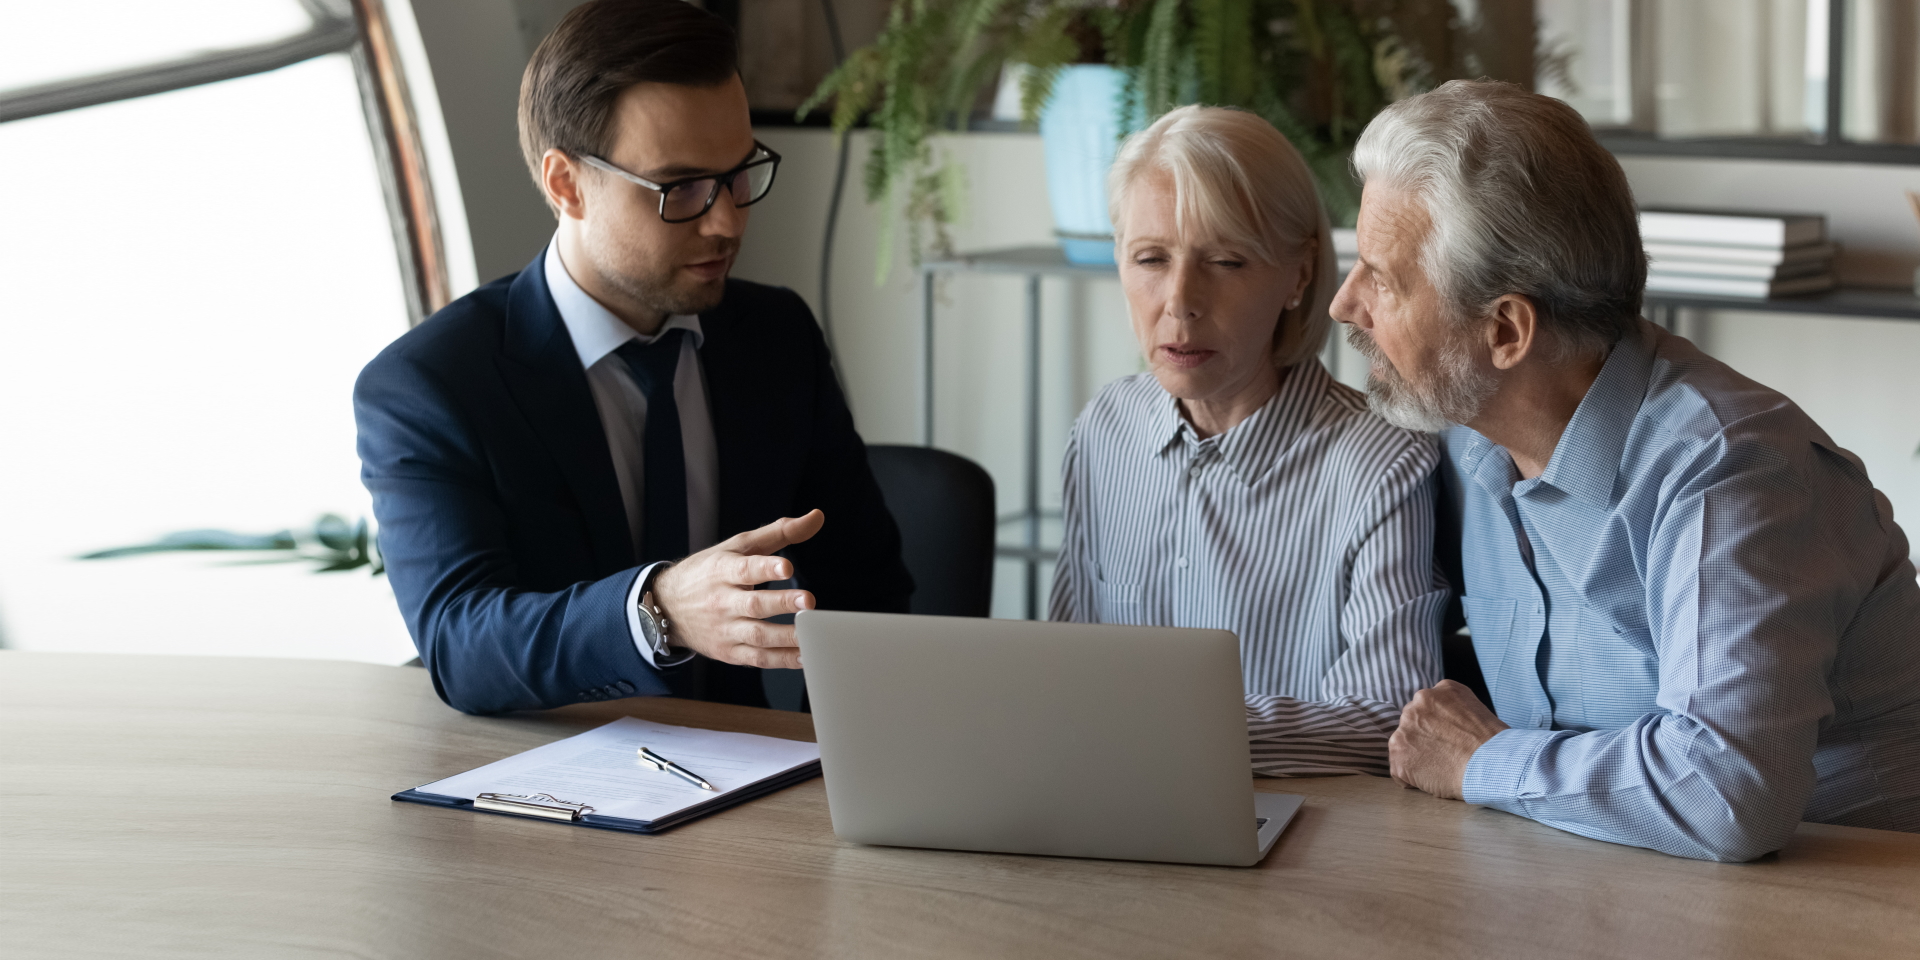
(1717, 633)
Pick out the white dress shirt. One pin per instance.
(596, 334)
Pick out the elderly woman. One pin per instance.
(1236, 485)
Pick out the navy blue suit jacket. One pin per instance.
(501, 522)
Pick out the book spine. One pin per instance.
(1736, 231)
(1707, 286)
(1749, 271)
(1730, 287)
(1721, 253)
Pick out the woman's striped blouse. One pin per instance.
(1307, 530)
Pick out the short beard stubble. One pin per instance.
(654, 286)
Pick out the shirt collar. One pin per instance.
(1252, 446)
(1470, 450)
(594, 329)
(1587, 458)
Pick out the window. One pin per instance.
(1805, 79)
(193, 280)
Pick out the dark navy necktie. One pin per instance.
(663, 534)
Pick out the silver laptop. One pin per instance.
(1015, 736)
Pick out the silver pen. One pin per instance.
(659, 762)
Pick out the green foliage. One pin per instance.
(923, 75)
(333, 544)
(1318, 70)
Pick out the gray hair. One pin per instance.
(1237, 178)
(1523, 200)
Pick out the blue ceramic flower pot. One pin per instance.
(1080, 130)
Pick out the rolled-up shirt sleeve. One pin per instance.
(1750, 584)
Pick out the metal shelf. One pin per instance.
(1886, 303)
(1882, 303)
(1625, 144)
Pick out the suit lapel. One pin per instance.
(542, 372)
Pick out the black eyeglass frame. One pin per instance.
(761, 156)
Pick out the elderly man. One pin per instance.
(1696, 616)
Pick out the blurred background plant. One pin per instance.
(1318, 70)
(332, 544)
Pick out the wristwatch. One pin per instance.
(654, 628)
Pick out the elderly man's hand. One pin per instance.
(710, 599)
(1439, 731)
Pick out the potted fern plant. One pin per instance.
(1094, 70)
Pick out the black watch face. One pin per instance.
(650, 624)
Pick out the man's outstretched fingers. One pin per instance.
(761, 604)
(749, 571)
(768, 658)
(780, 534)
(756, 635)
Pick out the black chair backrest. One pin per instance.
(943, 503)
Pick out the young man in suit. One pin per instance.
(583, 472)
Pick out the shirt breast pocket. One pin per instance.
(1117, 602)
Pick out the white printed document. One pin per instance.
(602, 769)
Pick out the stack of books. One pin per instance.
(1736, 254)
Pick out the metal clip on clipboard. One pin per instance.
(532, 805)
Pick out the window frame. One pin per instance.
(334, 29)
(359, 28)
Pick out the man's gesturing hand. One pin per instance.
(1439, 731)
(712, 606)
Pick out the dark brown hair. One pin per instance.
(602, 48)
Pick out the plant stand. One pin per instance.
(1034, 263)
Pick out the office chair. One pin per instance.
(943, 503)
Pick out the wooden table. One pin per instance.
(204, 807)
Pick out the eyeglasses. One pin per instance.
(690, 199)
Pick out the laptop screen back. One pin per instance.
(1017, 736)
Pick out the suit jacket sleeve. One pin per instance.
(854, 562)
(490, 644)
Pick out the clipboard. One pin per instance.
(547, 807)
(596, 779)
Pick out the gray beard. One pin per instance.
(1457, 393)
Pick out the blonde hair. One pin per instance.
(1237, 178)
